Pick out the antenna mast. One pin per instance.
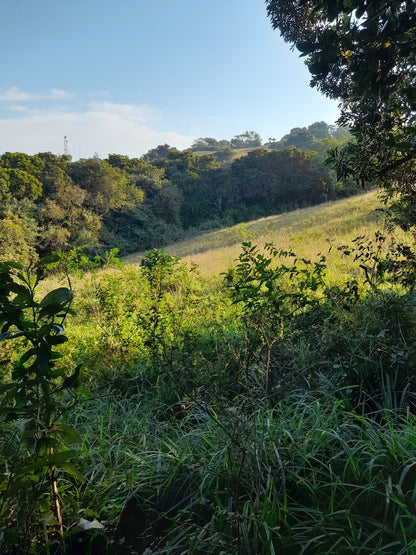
(66, 151)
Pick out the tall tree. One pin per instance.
(108, 187)
(19, 176)
(145, 176)
(319, 129)
(364, 54)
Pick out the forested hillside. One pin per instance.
(51, 203)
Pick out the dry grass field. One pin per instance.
(307, 231)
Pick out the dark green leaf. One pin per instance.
(73, 472)
(49, 259)
(26, 356)
(20, 290)
(57, 340)
(10, 264)
(68, 434)
(306, 47)
(43, 359)
(11, 334)
(73, 381)
(56, 459)
(59, 296)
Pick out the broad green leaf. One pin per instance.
(59, 296)
(57, 340)
(56, 459)
(68, 434)
(51, 310)
(57, 373)
(306, 47)
(49, 259)
(11, 334)
(10, 264)
(27, 355)
(73, 472)
(21, 291)
(43, 358)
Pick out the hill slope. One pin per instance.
(308, 231)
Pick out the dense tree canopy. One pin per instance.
(157, 153)
(205, 143)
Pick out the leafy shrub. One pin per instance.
(35, 398)
(270, 294)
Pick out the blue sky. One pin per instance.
(123, 77)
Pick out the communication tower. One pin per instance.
(66, 151)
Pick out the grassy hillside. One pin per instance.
(237, 153)
(308, 231)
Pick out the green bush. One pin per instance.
(36, 395)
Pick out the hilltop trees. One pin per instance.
(108, 187)
(189, 173)
(204, 143)
(299, 137)
(270, 181)
(319, 129)
(62, 213)
(249, 139)
(19, 176)
(20, 188)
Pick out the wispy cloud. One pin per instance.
(58, 94)
(124, 111)
(19, 108)
(14, 94)
(102, 127)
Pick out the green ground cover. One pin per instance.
(267, 410)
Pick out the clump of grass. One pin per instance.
(307, 476)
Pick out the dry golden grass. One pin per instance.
(306, 230)
(237, 153)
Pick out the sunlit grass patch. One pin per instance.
(307, 231)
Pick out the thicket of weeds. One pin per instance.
(272, 411)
